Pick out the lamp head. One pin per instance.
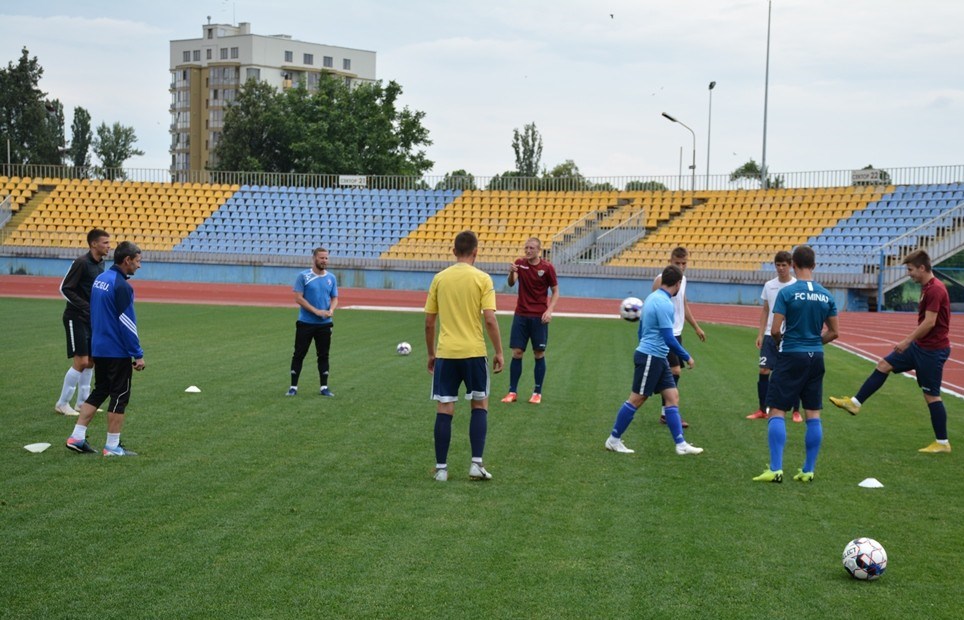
(712, 85)
(670, 117)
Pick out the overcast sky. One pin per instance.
(852, 82)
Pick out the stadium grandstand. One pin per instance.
(860, 230)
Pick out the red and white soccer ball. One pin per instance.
(403, 348)
(631, 309)
(864, 558)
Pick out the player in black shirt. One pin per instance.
(76, 290)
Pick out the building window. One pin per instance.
(289, 56)
(210, 33)
(187, 56)
(196, 55)
(234, 52)
(328, 61)
(209, 54)
(224, 53)
(252, 74)
(309, 59)
(346, 64)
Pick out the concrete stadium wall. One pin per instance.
(570, 286)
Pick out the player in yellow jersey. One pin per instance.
(461, 300)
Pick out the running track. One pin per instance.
(870, 335)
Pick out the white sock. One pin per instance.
(324, 387)
(71, 379)
(113, 440)
(944, 442)
(441, 465)
(83, 388)
(476, 460)
(854, 400)
(80, 432)
(294, 387)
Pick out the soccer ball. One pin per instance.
(403, 348)
(631, 308)
(864, 558)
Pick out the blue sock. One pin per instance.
(478, 426)
(674, 423)
(515, 372)
(540, 375)
(812, 441)
(777, 438)
(443, 437)
(623, 419)
(761, 390)
(871, 385)
(938, 419)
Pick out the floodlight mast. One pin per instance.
(692, 165)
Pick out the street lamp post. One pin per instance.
(693, 165)
(764, 178)
(709, 125)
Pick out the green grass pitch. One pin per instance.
(245, 503)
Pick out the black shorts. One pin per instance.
(112, 379)
(78, 337)
(672, 358)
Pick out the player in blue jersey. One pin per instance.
(653, 372)
(316, 292)
(116, 350)
(799, 314)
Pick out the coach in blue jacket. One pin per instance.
(114, 344)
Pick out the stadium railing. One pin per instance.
(922, 175)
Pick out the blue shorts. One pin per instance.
(652, 374)
(796, 377)
(769, 353)
(928, 364)
(526, 328)
(450, 374)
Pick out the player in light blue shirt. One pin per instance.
(799, 314)
(316, 293)
(652, 372)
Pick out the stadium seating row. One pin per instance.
(731, 229)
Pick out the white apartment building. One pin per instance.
(207, 72)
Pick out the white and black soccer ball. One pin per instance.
(864, 558)
(631, 309)
(403, 348)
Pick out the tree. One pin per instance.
(512, 180)
(33, 124)
(527, 145)
(114, 145)
(566, 177)
(751, 170)
(336, 129)
(81, 135)
(256, 137)
(646, 186)
(457, 179)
